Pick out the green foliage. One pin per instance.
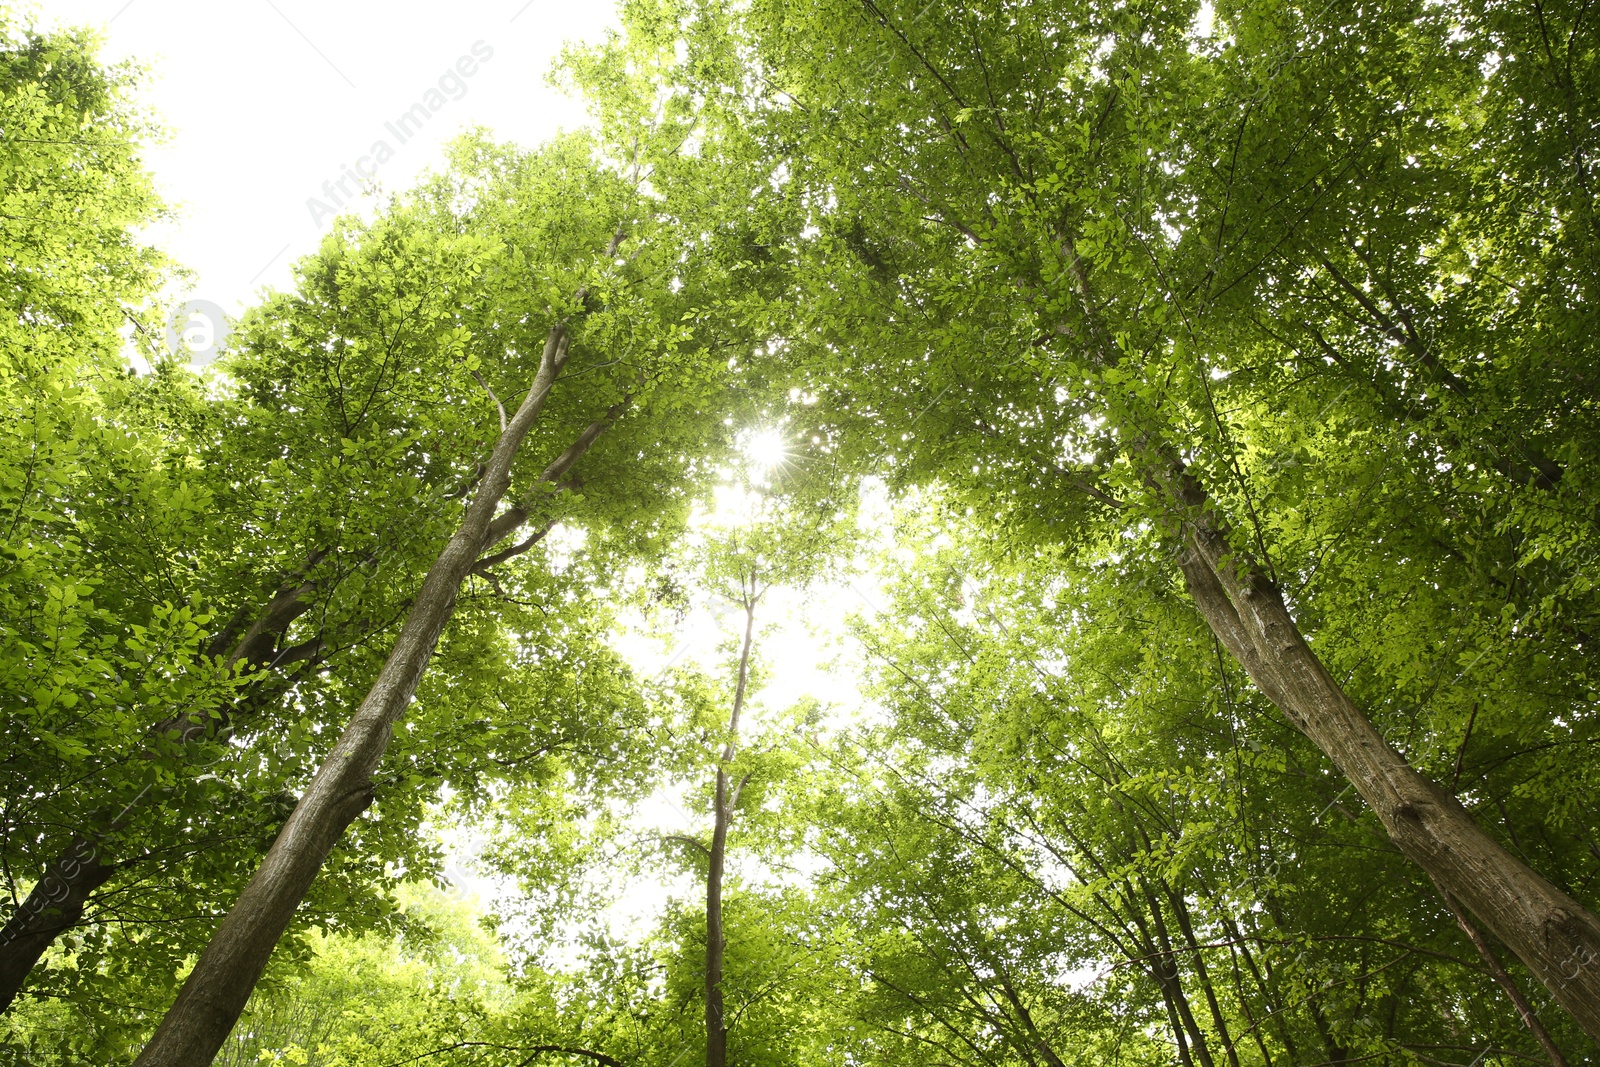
(360, 1000)
(1341, 261)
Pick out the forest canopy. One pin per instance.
(1010, 533)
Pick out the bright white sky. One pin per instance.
(266, 100)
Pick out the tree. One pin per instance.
(88, 655)
(283, 477)
(780, 540)
(1065, 736)
(663, 374)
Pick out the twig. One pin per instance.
(501, 408)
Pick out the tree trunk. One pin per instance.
(54, 905)
(1554, 936)
(215, 993)
(1180, 915)
(716, 1023)
(1171, 976)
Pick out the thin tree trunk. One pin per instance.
(215, 993)
(1141, 949)
(716, 1022)
(1035, 1037)
(1270, 1007)
(1530, 1019)
(1180, 913)
(1171, 973)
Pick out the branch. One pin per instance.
(537, 1050)
(574, 452)
(1502, 979)
(483, 565)
(501, 408)
(305, 651)
(1455, 779)
(518, 513)
(689, 841)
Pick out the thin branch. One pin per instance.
(483, 565)
(501, 408)
(687, 840)
(1503, 979)
(536, 1050)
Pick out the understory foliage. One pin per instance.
(876, 297)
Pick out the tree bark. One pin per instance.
(54, 906)
(716, 1023)
(215, 993)
(1171, 976)
(1180, 914)
(1556, 937)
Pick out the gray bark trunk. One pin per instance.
(215, 993)
(1556, 937)
(54, 906)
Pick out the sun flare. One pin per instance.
(765, 449)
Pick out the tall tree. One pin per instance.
(1064, 727)
(742, 566)
(626, 309)
(87, 652)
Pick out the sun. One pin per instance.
(765, 449)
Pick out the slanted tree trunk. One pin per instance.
(1557, 938)
(215, 993)
(54, 905)
(716, 1022)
